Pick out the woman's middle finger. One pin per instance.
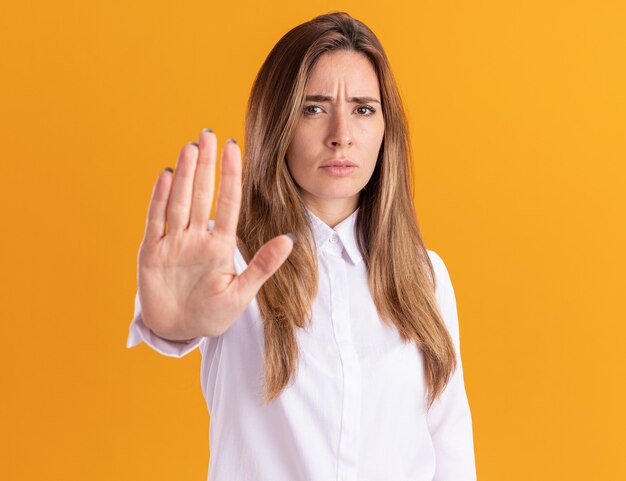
(204, 180)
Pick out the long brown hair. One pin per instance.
(401, 276)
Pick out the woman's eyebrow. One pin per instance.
(354, 100)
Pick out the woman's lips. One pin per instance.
(339, 163)
(339, 170)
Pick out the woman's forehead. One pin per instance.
(343, 70)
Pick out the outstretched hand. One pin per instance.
(187, 282)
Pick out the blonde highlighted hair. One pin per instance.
(401, 276)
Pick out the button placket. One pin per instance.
(351, 406)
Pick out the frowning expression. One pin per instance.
(338, 137)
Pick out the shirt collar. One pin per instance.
(345, 232)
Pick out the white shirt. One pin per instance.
(356, 410)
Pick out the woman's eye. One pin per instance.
(365, 110)
(310, 109)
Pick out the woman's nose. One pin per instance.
(339, 131)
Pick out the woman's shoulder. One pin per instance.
(439, 266)
(444, 292)
(434, 257)
(443, 284)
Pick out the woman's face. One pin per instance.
(337, 139)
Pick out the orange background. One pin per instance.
(518, 120)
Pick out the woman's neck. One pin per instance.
(332, 213)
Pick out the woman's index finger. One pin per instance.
(229, 191)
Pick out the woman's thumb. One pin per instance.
(264, 264)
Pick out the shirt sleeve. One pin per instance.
(449, 418)
(139, 332)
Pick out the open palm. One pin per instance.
(187, 283)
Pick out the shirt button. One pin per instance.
(333, 239)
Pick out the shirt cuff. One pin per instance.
(139, 332)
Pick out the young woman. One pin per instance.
(328, 332)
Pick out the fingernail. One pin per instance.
(207, 130)
(169, 169)
(234, 141)
(194, 143)
(292, 237)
